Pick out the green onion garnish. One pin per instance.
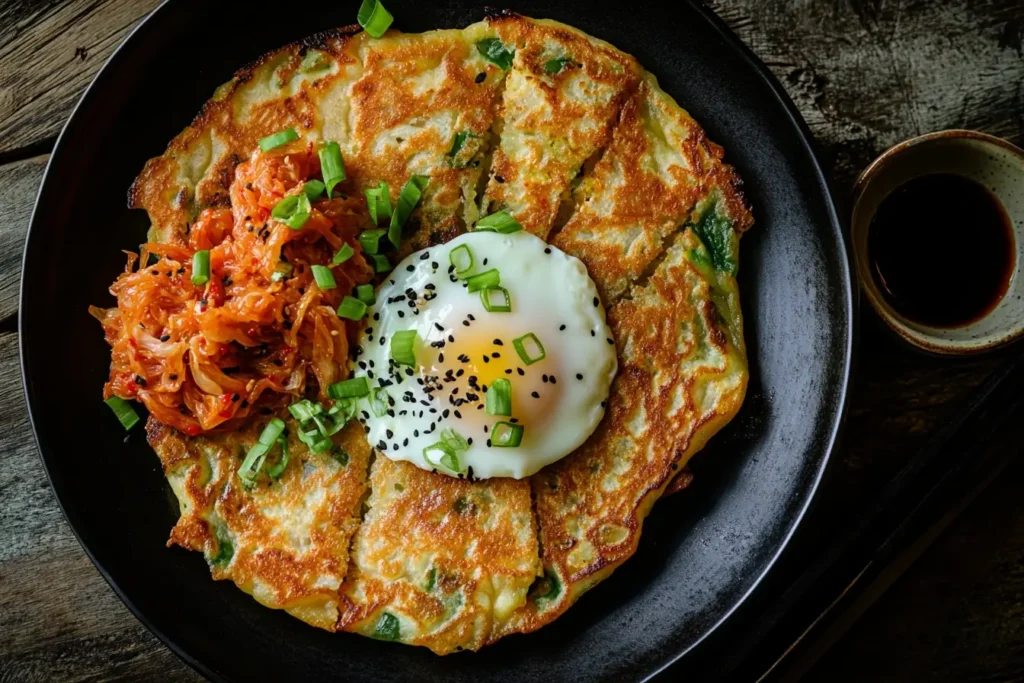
(344, 254)
(365, 294)
(485, 280)
(254, 459)
(313, 189)
(378, 202)
(454, 440)
(495, 52)
(124, 411)
(293, 211)
(305, 410)
(553, 66)
(314, 61)
(332, 165)
(380, 263)
(374, 19)
(408, 198)
(458, 143)
(370, 239)
(506, 435)
(387, 628)
(282, 270)
(444, 453)
(529, 348)
(496, 300)
(499, 397)
(351, 308)
(277, 139)
(324, 278)
(499, 222)
(462, 258)
(403, 347)
(277, 469)
(343, 410)
(357, 387)
(379, 400)
(201, 267)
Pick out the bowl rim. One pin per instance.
(921, 340)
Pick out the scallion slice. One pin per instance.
(381, 264)
(351, 308)
(529, 348)
(344, 254)
(374, 19)
(496, 300)
(462, 258)
(366, 294)
(408, 198)
(485, 280)
(313, 189)
(282, 270)
(305, 410)
(495, 52)
(454, 440)
(124, 411)
(277, 139)
(501, 221)
(506, 435)
(379, 400)
(331, 165)
(553, 66)
(293, 211)
(314, 61)
(323, 276)
(458, 143)
(254, 459)
(201, 267)
(378, 202)
(499, 397)
(370, 240)
(357, 387)
(403, 347)
(278, 468)
(443, 457)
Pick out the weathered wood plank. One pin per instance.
(49, 52)
(19, 183)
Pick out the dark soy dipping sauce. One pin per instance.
(941, 250)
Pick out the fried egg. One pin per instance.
(485, 392)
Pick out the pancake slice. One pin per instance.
(645, 187)
(285, 543)
(439, 562)
(682, 376)
(562, 98)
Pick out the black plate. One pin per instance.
(701, 553)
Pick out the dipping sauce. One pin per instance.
(941, 250)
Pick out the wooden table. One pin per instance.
(865, 74)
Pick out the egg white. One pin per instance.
(559, 400)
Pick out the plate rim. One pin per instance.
(849, 304)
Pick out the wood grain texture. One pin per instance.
(864, 73)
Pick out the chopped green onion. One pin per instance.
(315, 442)
(443, 457)
(365, 294)
(282, 270)
(495, 52)
(257, 455)
(506, 435)
(343, 410)
(529, 348)
(378, 202)
(499, 397)
(379, 400)
(124, 411)
(408, 198)
(374, 19)
(314, 61)
(499, 222)
(225, 550)
(403, 347)
(313, 189)
(340, 455)
(277, 139)
(305, 410)
(458, 143)
(454, 440)
(462, 258)
(485, 280)
(324, 278)
(370, 240)
(276, 470)
(387, 627)
(201, 267)
(357, 387)
(553, 66)
(380, 263)
(332, 165)
(496, 300)
(293, 211)
(351, 308)
(344, 254)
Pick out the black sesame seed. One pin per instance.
(508, 371)
(597, 302)
(593, 333)
(429, 285)
(513, 420)
(487, 358)
(561, 328)
(381, 446)
(553, 380)
(457, 414)
(485, 262)
(534, 394)
(425, 256)
(604, 403)
(520, 371)
(495, 355)
(389, 433)
(376, 316)
(440, 358)
(579, 376)
(165, 337)
(435, 265)
(410, 268)
(547, 250)
(499, 178)
(610, 340)
(439, 326)
(401, 314)
(405, 442)
(497, 342)
(470, 316)
(466, 323)
(480, 77)
(488, 443)
(362, 365)
(544, 378)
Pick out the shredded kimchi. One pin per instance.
(201, 357)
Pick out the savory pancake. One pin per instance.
(580, 145)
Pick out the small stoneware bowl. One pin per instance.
(990, 161)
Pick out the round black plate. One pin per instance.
(702, 551)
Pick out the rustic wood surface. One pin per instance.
(864, 73)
